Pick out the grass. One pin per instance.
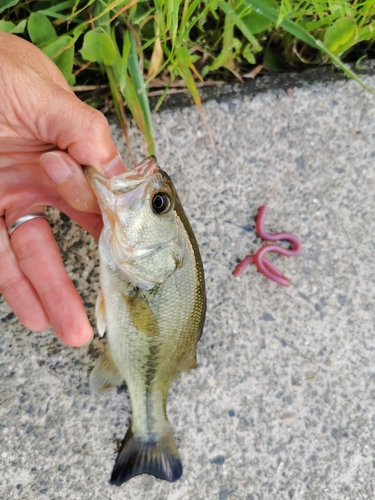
(116, 52)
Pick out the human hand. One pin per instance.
(46, 134)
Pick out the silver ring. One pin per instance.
(25, 218)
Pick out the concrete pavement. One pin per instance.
(282, 404)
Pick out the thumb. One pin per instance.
(82, 131)
(46, 109)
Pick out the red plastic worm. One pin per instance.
(264, 266)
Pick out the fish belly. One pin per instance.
(152, 336)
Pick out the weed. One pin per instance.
(120, 49)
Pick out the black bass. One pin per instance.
(152, 305)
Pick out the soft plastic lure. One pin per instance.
(264, 266)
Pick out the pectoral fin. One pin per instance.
(101, 321)
(140, 313)
(105, 375)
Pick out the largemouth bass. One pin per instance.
(152, 306)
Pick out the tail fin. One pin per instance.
(160, 459)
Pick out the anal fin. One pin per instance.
(105, 374)
(191, 362)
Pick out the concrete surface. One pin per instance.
(282, 404)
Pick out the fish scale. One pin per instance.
(152, 305)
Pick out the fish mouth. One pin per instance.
(149, 166)
(98, 183)
(128, 187)
(92, 174)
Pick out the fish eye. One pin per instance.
(161, 203)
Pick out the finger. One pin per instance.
(17, 290)
(70, 181)
(92, 223)
(72, 185)
(39, 258)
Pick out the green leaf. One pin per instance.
(248, 54)
(64, 18)
(65, 63)
(53, 10)
(324, 22)
(138, 14)
(118, 102)
(341, 35)
(72, 80)
(79, 30)
(101, 15)
(194, 58)
(366, 33)
(182, 67)
(9, 27)
(257, 23)
(20, 28)
(217, 63)
(302, 35)
(56, 7)
(40, 28)
(5, 4)
(61, 51)
(125, 52)
(190, 20)
(98, 47)
(140, 88)
(172, 18)
(130, 95)
(235, 16)
(119, 69)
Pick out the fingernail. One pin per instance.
(85, 344)
(114, 167)
(56, 167)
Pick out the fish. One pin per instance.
(151, 305)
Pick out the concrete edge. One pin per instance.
(264, 83)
